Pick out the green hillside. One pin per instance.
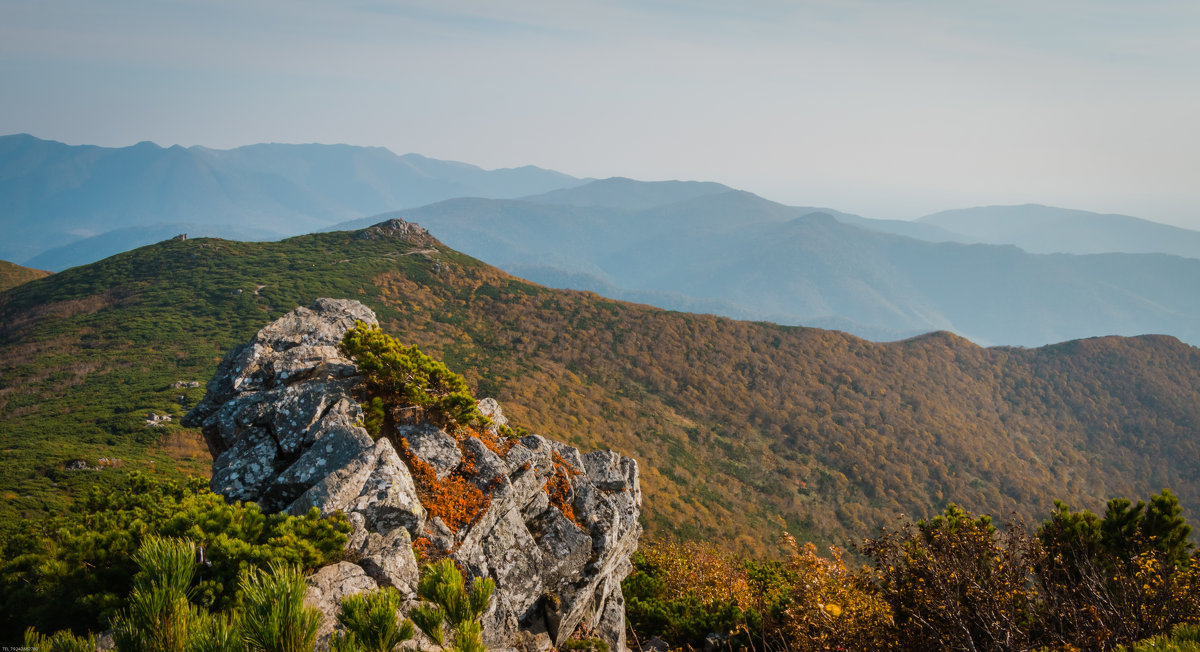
(12, 275)
(742, 428)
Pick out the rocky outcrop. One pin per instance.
(555, 529)
(397, 228)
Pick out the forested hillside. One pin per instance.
(743, 429)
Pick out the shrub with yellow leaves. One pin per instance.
(1119, 578)
(957, 583)
(831, 607)
(701, 569)
(682, 592)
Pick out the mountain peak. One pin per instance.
(397, 228)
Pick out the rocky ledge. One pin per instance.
(553, 528)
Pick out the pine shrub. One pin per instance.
(408, 384)
(371, 622)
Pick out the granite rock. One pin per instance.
(282, 419)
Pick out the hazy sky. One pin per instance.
(887, 108)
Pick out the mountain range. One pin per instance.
(1046, 230)
(709, 248)
(1016, 275)
(108, 200)
(742, 429)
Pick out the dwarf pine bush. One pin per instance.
(453, 610)
(75, 571)
(371, 622)
(408, 384)
(274, 616)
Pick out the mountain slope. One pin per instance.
(911, 229)
(815, 266)
(742, 429)
(628, 194)
(53, 194)
(741, 256)
(12, 275)
(1045, 229)
(111, 243)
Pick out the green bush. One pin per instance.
(408, 383)
(371, 622)
(273, 615)
(160, 616)
(62, 641)
(452, 608)
(1185, 638)
(75, 571)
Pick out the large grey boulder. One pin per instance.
(282, 423)
(555, 532)
(433, 446)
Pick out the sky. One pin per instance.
(885, 108)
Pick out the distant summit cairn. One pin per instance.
(399, 229)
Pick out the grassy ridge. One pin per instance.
(742, 428)
(12, 275)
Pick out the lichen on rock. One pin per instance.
(554, 529)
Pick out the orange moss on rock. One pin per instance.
(558, 488)
(424, 550)
(454, 499)
(495, 442)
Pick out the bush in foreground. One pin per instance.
(75, 572)
(954, 582)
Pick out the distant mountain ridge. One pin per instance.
(53, 194)
(628, 194)
(682, 245)
(709, 248)
(1046, 229)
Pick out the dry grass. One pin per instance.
(19, 412)
(33, 352)
(61, 310)
(184, 444)
(80, 371)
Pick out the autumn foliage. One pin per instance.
(829, 607)
(956, 582)
(953, 582)
(454, 499)
(687, 591)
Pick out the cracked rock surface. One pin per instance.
(556, 531)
